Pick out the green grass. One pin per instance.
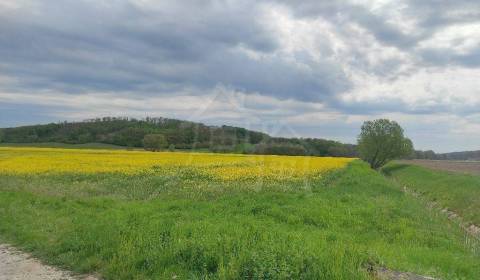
(156, 227)
(458, 192)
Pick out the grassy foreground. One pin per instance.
(458, 192)
(150, 226)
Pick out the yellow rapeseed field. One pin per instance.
(219, 166)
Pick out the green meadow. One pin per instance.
(345, 225)
(457, 192)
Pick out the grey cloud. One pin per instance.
(84, 46)
(430, 16)
(438, 13)
(385, 106)
(168, 48)
(445, 57)
(146, 50)
(344, 13)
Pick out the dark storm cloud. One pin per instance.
(78, 47)
(161, 47)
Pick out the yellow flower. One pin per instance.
(217, 166)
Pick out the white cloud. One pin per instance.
(460, 38)
(454, 90)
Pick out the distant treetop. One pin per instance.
(179, 134)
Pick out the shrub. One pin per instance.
(382, 140)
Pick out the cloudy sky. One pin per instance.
(293, 68)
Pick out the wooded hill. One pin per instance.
(179, 134)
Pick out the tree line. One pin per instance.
(379, 142)
(164, 133)
(431, 155)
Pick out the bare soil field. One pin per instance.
(468, 167)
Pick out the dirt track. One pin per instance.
(15, 265)
(469, 167)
